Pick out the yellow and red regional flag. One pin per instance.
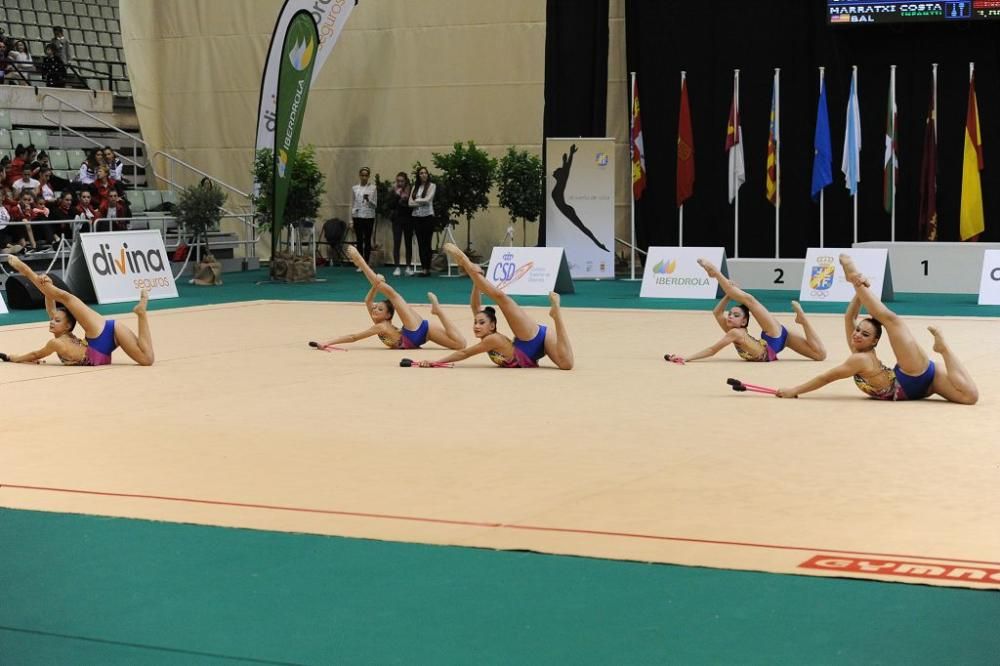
(971, 219)
(773, 137)
(638, 154)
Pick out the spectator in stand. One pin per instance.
(114, 163)
(21, 64)
(103, 184)
(422, 203)
(62, 46)
(25, 182)
(30, 155)
(16, 165)
(88, 170)
(402, 221)
(4, 161)
(63, 210)
(85, 212)
(4, 63)
(25, 211)
(114, 208)
(53, 68)
(45, 191)
(363, 202)
(7, 198)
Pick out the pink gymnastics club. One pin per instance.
(410, 363)
(326, 348)
(753, 388)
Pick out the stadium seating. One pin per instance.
(93, 29)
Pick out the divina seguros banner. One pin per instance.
(298, 62)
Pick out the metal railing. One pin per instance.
(136, 141)
(149, 165)
(62, 249)
(174, 162)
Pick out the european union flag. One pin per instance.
(823, 157)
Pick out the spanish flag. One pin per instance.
(971, 219)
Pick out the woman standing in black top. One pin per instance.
(402, 222)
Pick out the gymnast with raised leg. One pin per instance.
(103, 336)
(416, 330)
(915, 376)
(774, 336)
(532, 340)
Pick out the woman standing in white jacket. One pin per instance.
(363, 202)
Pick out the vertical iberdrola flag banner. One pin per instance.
(330, 16)
(298, 58)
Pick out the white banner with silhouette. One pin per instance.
(580, 204)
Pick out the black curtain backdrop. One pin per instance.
(709, 40)
(576, 73)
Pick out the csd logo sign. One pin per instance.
(504, 270)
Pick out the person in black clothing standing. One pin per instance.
(402, 222)
(422, 203)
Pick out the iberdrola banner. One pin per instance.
(298, 59)
(329, 17)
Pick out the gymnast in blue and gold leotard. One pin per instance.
(773, 337)
(914, 377)
(415, 331)
(531, 342)
(103, 336)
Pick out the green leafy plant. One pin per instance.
(304, 191)
(521, 187)
(199, 209)
(465, 183)
(383, 197)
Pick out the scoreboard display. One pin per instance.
(910, 11)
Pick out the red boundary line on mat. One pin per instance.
(471, 523)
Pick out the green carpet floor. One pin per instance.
(343, 284)
(84, 590)
(79, 590)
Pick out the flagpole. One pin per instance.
(822, 192)
(736, 130)
(854, 86)
(934, 67)
(777, 163)
(631, 162)
(892, 166)
(680, 211)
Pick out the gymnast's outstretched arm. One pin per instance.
(32, 357)
(352, 337)
(481, 347)
(852, 366)
(729, 338)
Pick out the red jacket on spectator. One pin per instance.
(121, 211)
(101, 190)
(87, 212)
(14, 170)
(18, 214)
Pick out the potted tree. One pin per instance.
(198, 211)
(467, 174)
(305, 189)
(521, 189)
